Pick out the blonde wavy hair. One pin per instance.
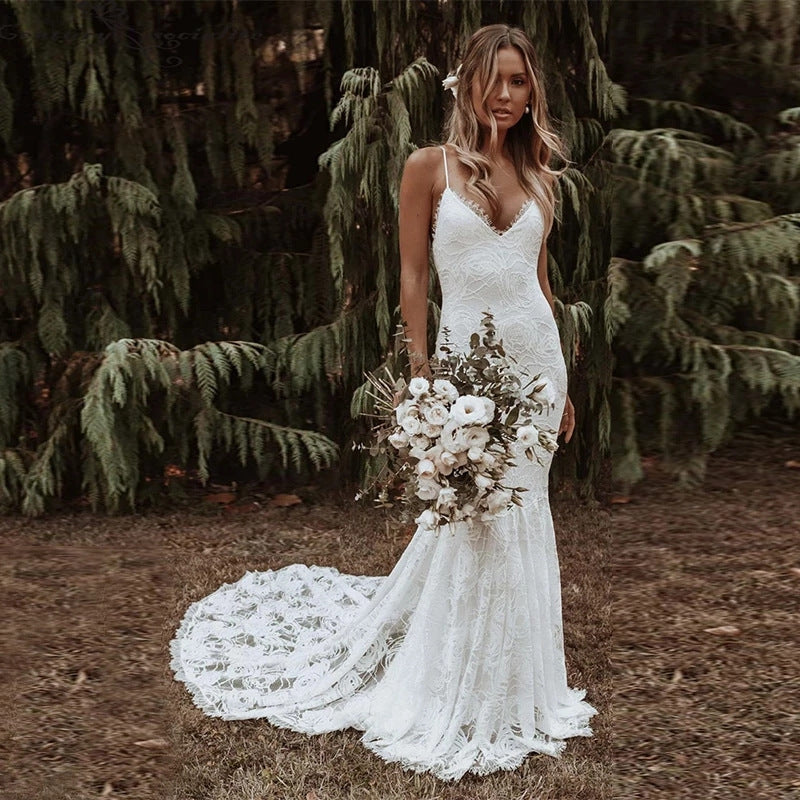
(531, 143)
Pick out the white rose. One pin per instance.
(420, 440)
(476, 436)
(427, 520)
(445, 461)
(447, 497)
(427, 489)
(404, 409)
(433, 453)
(451, 438)
(547, 393)
(447, 458)
(468, 410)
(488, 460)
(436, 414)
(461, 458)
(483, 482)
(418, 452)
(498, 501)
(418, 386)
(431, 431)
(488, 410)
(426, 468)
(527, 435)
(411, 425)
(475, 454)
(444, 389)
(398, 439)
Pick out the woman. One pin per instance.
(454, 662)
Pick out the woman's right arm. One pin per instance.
(416, 207)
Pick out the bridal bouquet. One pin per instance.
(451, 439)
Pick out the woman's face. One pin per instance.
(510, 93)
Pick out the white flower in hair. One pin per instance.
(451, 81)
(426, 468)
(447, 497)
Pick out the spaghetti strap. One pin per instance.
(444, 158)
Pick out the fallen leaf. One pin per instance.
(153, 744)
(220, 497)
(792, 464)
(284, 500)
(723, 630)
(620, 498)
(243, 509)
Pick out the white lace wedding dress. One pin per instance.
(454, 662)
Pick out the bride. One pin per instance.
(454, 662)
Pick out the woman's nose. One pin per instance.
(503, 92)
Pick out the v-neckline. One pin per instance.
(481, 215)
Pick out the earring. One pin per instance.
(527, 109)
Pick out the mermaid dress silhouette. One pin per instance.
(454, 662)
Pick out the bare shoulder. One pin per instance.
(424, 157)
(420, 167)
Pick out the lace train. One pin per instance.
(453, 663)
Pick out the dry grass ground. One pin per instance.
(89, 708)
(702, 714)
(92, 601)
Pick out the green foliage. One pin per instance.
(704, 287)
(145, 207)
(142, 239)
(145, 397)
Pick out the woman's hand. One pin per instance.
(567, 420)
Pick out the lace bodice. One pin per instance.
(481, 269)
